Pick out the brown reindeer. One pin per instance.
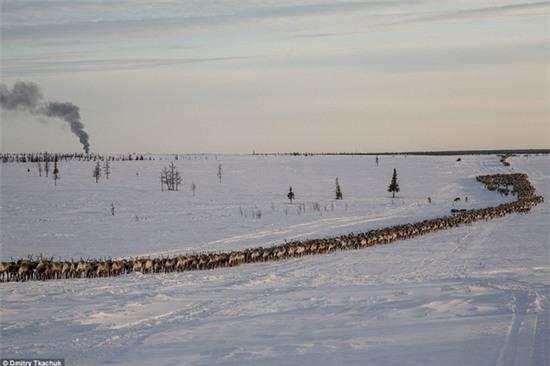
(148, 266)
(138, 266)
(103, 269)
(7, 270)
(117, 267)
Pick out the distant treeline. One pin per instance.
(45, 156)
(428, 153)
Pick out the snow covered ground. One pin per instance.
(475, 295)
(73, 219)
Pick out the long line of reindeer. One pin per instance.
(49, 269)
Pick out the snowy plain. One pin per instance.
(475, 295)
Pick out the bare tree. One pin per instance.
(107, 168)
(55, 172)
(46, 164)
(163, 178)
(175, 177)
(170, 177)
(97, 172)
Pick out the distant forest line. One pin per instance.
(46, 156)
(442, 152)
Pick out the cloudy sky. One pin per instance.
(309, 75)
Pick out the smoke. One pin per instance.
(71, 114)
(24, 95)
(28, 97)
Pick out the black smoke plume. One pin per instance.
(28, 97)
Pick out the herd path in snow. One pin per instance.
(43, 269)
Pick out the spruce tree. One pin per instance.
(339, 194)
(47, 164)
(97, 172)
(290, 194)
(55, 172)
(394, 186)
(107, 168)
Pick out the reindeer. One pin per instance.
(266, 255)
(8, 271)
(41, 271)
(55, 270)
(203, 262)
(118, 267)
(138, 266)
(280, 252)
(148, 266)
(234, 259)
(158, 265)
(183, 263)
(103, 269)
(169, 265)
(82, 268)
(256, 254)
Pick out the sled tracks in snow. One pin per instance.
(43, 269)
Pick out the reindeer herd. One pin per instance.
(49, 269)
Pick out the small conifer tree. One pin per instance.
(339, 194)
(97, 172)
(47, 164)
(107, 168)
(55, 172)
(394, 186)
(290, 195)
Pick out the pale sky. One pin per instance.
(275, 76)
